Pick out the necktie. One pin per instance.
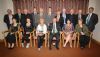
(79, 16)
(54, 28)
(87, 19)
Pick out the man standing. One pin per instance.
(71, 16)
(8, 18)
(80, 16)
(18, 16)
(35, 17)
(63, 19)
(91, 19)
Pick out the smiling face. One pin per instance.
(41, 10)
(9, 11)
(41, 21)
(68, 22)
(49, 10)
(80, 11)
(54, 20)
(18, 11)
(14, 20)
(91, 9)
(72, 11)
(28, 20)
(25, 11)
(80, 22)
(34, 10)
(64, 10)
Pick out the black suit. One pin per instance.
(7, 21)
(92, 22)
(18, 18)
(24, 17)
(82, 17)
(61, 21)
(73, 19)
(35, 19)
(57, 35)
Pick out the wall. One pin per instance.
(4, 5)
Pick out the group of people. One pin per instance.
(52, 22)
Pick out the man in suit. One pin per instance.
(35, 17)
(8, 18)
(41, 13)
(25, 16)
(80, 16)
(91, 19)
(18, 16)
(49, 16)
(63, 19)
(71, 16)
(54, 29)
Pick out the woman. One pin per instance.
(11, 37)
(84, 33)
(41, 30)
(27, 30)
(68, 31)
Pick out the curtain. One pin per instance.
(54, 4)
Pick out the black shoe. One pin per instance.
(82, 47)
(57, 48)
(50, 48)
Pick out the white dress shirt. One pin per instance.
(10, 18)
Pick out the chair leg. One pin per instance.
(16, 43)
(74, 43)
(45, 42)
(16, 40)
(20, 42)
(60, 41)
(77, 43)
(48, 39)
(30, 42)
(5, 42)
(34, 42)
(89, 43)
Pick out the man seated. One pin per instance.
(54, 29)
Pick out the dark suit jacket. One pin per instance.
(51, 27)
(16, 16)
(93, 21)
(61, 20)
(73, 19)
(7, 21)
(24, 17)
(82, 16)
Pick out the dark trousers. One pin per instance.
(8, 26)
(40, 40)
(26, 38)
(57, 35)
(84, 40)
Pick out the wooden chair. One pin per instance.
(35, 38)
(78, 38)
(73, 38)
(20, 35)
(55, 38)
(16, 35)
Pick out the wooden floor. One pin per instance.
(94, 51)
